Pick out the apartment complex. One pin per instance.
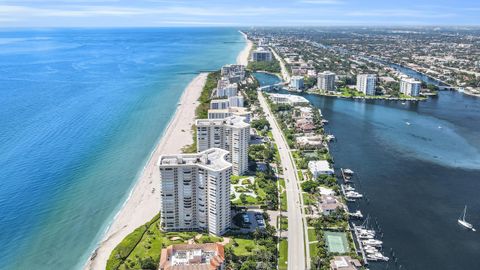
(261, 54)
(297, 83)
(366, 84)
(209, 256)
(287, 99)
(410, 86)
(231, 133)
(231, 111)
(235, 101)
(235, 73)
(195, 191)
(326, 81)
(226, 89)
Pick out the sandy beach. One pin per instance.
(144, 201)
(242, 58)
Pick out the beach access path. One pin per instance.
(144, 201)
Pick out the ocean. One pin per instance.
(418, 165)
(80, 112)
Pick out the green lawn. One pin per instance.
(242, 246)
(282, 182)
(313, 250)
(284, 223)
(249, 200)
(283, 255)
(144, 245)
(311, 235)
(283, 201)
(308, 199)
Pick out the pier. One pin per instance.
(360, 249)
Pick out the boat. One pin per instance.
(403, 103)
(463, 222)
(348, 188)
(408, 123)
(372, 242)
(348, 171)
(356, 214)
(353, 195)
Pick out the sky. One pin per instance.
(157, 13)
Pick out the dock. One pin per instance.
(360, 249)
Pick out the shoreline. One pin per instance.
(143, 201)
(242, 58)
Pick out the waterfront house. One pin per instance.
(310, 142)
(329, 204)
(344, 263)
(209, 256)
(320, 167)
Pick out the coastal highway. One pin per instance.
(296, 222)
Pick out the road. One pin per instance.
(285, 74)
(296, 221)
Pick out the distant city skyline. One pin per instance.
(143, 13)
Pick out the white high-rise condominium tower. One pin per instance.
(326, 81)
(410, 87)
(231, 134)
(261, 54)
(366, 83)
(195, 191)
(297, 83)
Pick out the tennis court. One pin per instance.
(337, 242)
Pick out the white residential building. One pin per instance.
(292, 100)
(319, 167)
(231, 111)
(226, 89)
(231, 134)
(234, 73)
(261, 54)
(410, 87)
(366, 84)
(219, 104)
(326, 81)
(195, 191)
(296, 82)
(222, 104)
(236, 101)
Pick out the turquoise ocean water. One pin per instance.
(80, 112)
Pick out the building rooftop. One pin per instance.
(235, 121)
(320, 165)
(212, 159)
(291, 98)
(192, 257)
(344, 263)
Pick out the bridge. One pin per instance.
(273, 86)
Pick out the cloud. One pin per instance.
(405, 13)
(86, 11)
(322, 2)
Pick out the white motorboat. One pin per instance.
(353, 195)
(463, 222)
(372, 242)
(356, 214)
(348, 188)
